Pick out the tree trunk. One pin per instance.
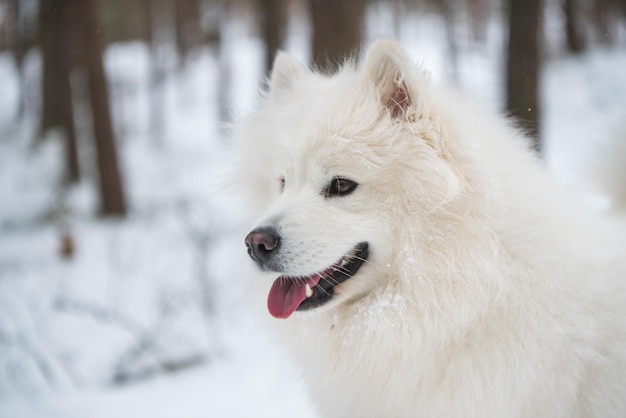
(523, 65)
(57, 111)
(112, 197)
(337, 31)
(15, 40)
(448, 11)
(224, 66)
(273, 14)
(601, 15)
(51, 41)
(574, 26)
(153, 15)
(478, 11)
(187, 27)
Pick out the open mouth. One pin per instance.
(290, 294)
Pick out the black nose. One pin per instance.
(262, 244)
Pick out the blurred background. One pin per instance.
(122, 271)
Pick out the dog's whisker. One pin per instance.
(356, 257)
(341, 269)
(330, 280)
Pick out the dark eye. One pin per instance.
(282, 184)
(339, 187)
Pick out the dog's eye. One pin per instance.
(339, 187)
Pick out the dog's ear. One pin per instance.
(284, 71)
(396, 79)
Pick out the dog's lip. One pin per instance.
(339, 272)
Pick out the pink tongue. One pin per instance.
(287, 294)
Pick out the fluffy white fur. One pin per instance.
(487, 292)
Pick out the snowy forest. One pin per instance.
(122, 266)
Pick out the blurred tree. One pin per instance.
(123, 20)
(603, 14)
(51, 41)
(337, 30)
(574, 25)
(155, 18)
(479, 11)
(187, 27)
(273, 27)
(112, 198)
(523, 65)
(57, 113)
(146, 21)
(18, 44)
(448, 10)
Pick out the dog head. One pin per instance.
(330, 164)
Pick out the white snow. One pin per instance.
(67, 325)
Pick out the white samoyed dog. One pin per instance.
(420, 261)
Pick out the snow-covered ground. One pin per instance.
(166, 283)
